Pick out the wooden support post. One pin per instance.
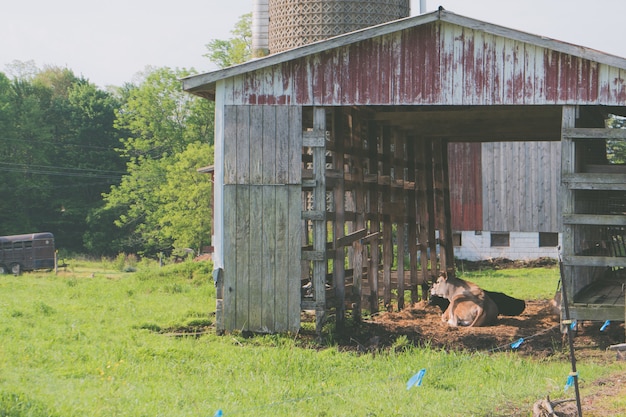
(339, 273)
(399, 198)
(372, 151)
(412, 216)
(359, 208)
(442, 204)
(319, 226)
(423, 206)
(387, 226)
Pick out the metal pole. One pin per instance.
(570, 337)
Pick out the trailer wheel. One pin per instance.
(16, 269)
(3, 270)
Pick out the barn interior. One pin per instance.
(386, 198)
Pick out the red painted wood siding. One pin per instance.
(464, 169)
(436, 63)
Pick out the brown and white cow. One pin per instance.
(469, 305)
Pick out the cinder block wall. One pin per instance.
(522, 246)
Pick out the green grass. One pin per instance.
(526, 283)
(96, 342)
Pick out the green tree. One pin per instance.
(185, 214)
(616, 149)
(162, 122)
(58, 152)
(24, 154)
(235, 50)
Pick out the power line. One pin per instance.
(61, 171)
(44, 142)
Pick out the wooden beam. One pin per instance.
(594, 133)
(350, 238)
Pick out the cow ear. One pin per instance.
(444, 275)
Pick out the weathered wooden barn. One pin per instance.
(331, 165)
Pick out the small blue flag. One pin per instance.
(416, 379)
(569, 383)
(573, 325)
(605, 325)
(218, 413)
(517, 343)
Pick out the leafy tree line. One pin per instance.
(105, 171)
(109, 171)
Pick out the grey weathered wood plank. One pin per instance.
(294, 239)
(242, 175)
(230, 144)
(256, 141)
(230, 259)
(270, 265)
(242, 242)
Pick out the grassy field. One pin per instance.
(94, 341)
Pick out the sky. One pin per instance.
(111, 42)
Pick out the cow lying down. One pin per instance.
(507, 305)
(469, 305)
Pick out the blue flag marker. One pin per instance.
(573, 325)
(218, 413)
(605, 325)
(569, 383)
(416, 379)
(517, 343)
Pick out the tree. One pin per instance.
(185, 214)
(236, 50)
(57, 152)
(162, 122)
(616, 149)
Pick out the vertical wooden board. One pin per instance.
(489, 69)
(242, 242)
(258, 250)
(518, 72)
(488, 194)
(540, 187)
(446, 70)
(270, 255)
(539, 66)
(281, 137)
(294, 138)
(529, 73)
(556, 187)
(500, 189)
(230, 144)
(532, 207)
(242, 175)
(499, 67)
(405, 69)
(294, 237)
(400, 263)
(280, 298)
(458, 65)
(256, 144)
(230, 258)
(476, 83)
(269, 149)
(568, 166)
(512, 169)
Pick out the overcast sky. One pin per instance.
(109, 42)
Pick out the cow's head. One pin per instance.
(438, 287)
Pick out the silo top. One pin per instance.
(293, 23)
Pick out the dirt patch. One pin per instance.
(537, 327)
